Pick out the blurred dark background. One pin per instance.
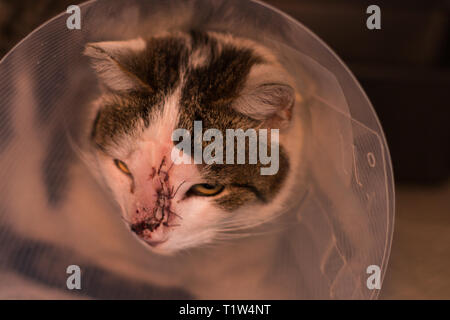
(405, 70)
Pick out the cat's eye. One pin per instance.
(122, 166)
(205, 190)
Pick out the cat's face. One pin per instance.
(152, 88)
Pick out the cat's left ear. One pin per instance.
(111, 61)
(268, 99)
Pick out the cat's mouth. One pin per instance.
(154, 233)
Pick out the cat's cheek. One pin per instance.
(197, 225)
(118, 184)
(197, 212)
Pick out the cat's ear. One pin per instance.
(271, 103)
(268, 95)
(110, 59)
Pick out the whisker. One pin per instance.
(125, 220)
(178, 188)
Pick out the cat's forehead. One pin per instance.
(207, 71)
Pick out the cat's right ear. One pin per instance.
(109, 59)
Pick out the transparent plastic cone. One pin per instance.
(54, 214)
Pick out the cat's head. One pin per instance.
(153, 87)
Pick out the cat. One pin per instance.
(151, 87)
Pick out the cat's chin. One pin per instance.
(162, 248)
(158, 247)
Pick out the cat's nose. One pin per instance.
(152, 215)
